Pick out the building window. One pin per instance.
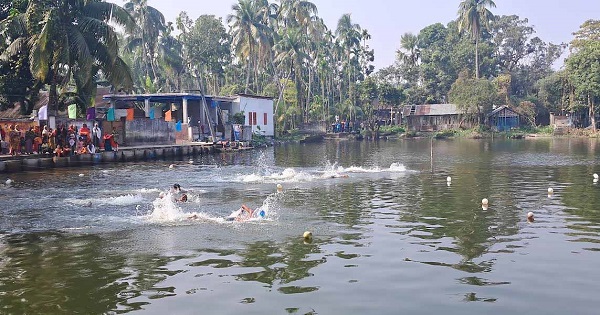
(254, 118)
(265, 119)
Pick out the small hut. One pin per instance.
(434, 117)
(503, 118)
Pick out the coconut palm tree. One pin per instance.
(297, 13)
(473, 17)
(349, 36)
(291, 54)
(409, 51)
(247, 29)
(70, 40)
(146, 37)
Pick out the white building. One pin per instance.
(258, 111)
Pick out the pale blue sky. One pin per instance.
(387, 20)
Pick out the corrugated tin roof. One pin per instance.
(431, 110)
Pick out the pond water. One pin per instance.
(391, 235)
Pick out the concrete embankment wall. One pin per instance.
(36, 163)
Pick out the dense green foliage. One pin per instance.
(283, 49)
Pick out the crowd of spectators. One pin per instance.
(62, 141)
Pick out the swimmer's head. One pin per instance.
(176, 186)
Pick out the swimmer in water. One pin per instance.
(179, 194)
(242, 214)
(336, 176)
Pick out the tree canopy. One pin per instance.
(284, 49)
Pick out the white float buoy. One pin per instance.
(448, 179)
(81, 175)
(596, 176)
(191, 161)
(279, 188)
(484, 201)
(307, 235)
(550, 191)
(172, 166)
(9, 182)
(484, 207)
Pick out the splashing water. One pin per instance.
(288, 175)
(397, 167)
(123, 200)
(270, 207)
(165, 210)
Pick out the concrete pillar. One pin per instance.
(128, 155)
(147, 107)
(185, 111)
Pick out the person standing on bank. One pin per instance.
(96, 135)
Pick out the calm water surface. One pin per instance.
(392, 237)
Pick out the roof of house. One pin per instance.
(175, 97)
(501, 109)
(431, 110)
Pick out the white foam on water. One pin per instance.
(288, 175)
(251, 178)
(79, 202)
(203, 217)
(394, 168)
(124, 200)
(397, 167)
(147, 190)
